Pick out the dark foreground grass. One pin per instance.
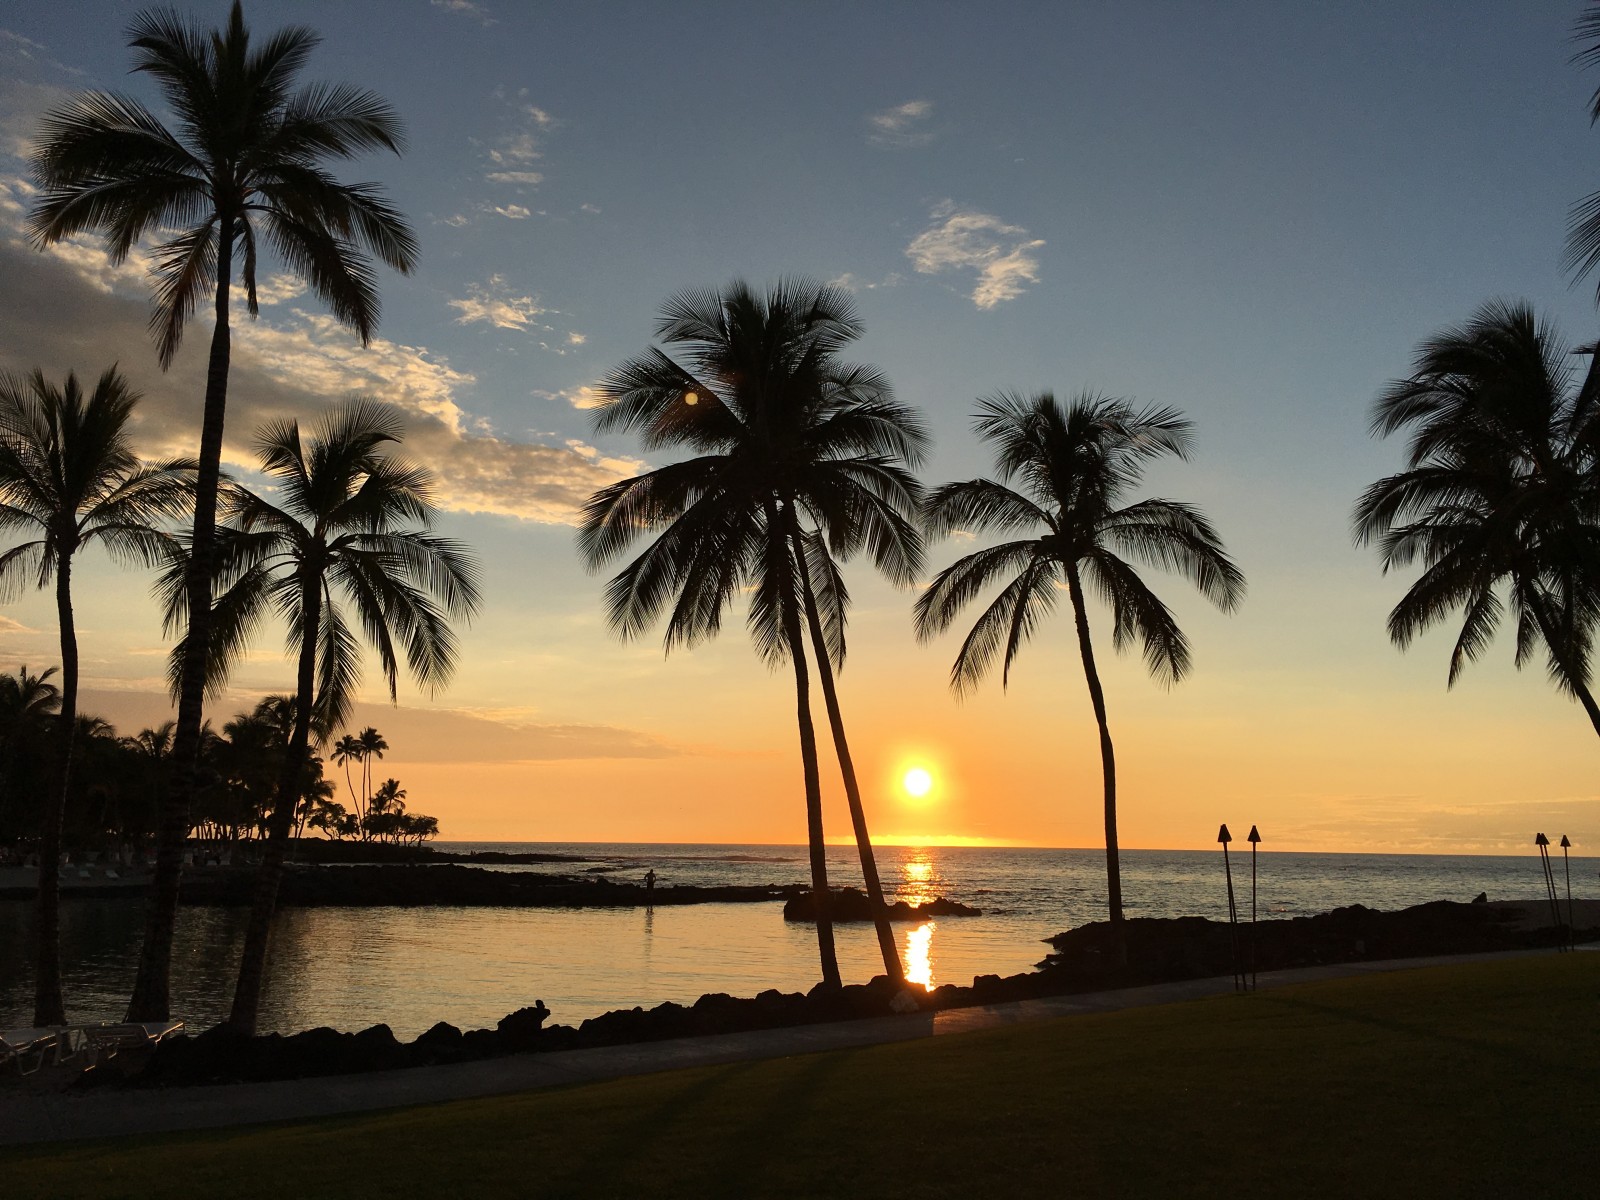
(1465, 1080)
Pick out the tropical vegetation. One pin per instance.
(241, 165)
(795, 449)
(1064, 474)
(69, 480)
(1499, 501)
(343, 545)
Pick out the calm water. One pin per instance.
(350, 968)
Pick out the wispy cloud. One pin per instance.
(584, 396)
(903, 125)
(492, 302)
(510, 157)
(852, 282)
(513, 212)
(1002, 256)
(529, 178)
(466, 8)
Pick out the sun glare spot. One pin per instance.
(919, 955)
(917, 782)
(691, 398)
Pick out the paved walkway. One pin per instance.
(28, 1117)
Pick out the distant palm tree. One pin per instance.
(1500, 495)
(372, 748)
(346, 519)
(346, 751)
(69, 478)
(790, 440)
(1073, 465)
(244, 164)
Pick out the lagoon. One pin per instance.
(410, 967)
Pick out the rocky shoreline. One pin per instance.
(1082, 960)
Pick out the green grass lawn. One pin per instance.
(1466, 1080)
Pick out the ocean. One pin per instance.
(409, 968)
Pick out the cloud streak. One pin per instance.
(902, 125)
(1003, 257)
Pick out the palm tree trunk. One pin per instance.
(781, 562)
(852, 790)
(1108, 758)
(48, 1007)
(253, 963)
(152, 988)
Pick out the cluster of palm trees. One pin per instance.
(802, 460)
(798, 461)
(347, 527)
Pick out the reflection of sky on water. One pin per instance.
(411, 967)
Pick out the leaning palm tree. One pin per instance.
(69, 479)
(242, 164)
(346, 531)
(1073, 467)
(1500, 498)
(789, 440)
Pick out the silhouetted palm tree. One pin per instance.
(346, 519)
(1073, 467)
(1500, 495)
(373, 746)
(789, 440)
(243, 164)
(1583, 229)
(346, 751)
(68, 479)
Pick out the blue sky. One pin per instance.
(1250, 211)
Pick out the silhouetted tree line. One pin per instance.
(119, 783)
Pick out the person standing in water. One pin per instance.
(649, 888)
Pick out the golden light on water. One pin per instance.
(919, 955)
(918, 873)
(917, 782)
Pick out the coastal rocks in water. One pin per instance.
(851, 904)
(519, 1031)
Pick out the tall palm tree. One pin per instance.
(1073, 466)
(788, 440)
(69, 479)
(828, 648)
(1500, 495)
(347, 528)
(242, 164)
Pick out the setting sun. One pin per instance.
(917, 782)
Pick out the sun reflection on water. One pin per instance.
(918, 872)
(919, 955)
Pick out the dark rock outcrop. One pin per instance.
(852, 904)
